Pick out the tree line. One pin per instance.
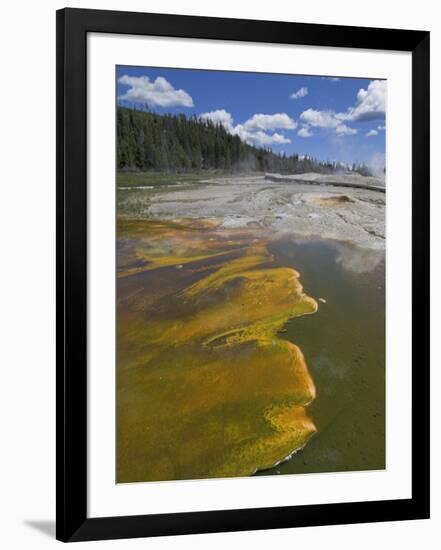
(147, 141)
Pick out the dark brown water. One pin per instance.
(344, 347)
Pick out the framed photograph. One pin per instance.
(242, 274)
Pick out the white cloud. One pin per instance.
(331, 78)
(270, 122)
(326, 119)
(302, 92)
(305, 132)
(260, 137)
(255, 130)
(220, 116)
(319, 119)
(343, 130)
(372, 133)
(371, 103)
(157, 93)
(381, 127)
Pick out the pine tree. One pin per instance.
(176, 143)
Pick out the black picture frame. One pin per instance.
(73, 25)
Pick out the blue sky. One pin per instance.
(339, 119)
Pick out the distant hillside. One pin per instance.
(147, 141)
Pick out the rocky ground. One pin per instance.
(346, 207)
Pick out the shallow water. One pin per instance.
(344, 347)
(210, 374)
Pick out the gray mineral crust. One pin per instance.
(346, 207)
